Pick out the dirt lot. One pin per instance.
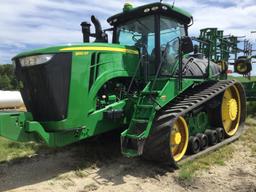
(97, 165)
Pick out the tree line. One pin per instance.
(7, 78)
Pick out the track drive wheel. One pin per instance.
(179, 139)
(231, 111)
(168, 141)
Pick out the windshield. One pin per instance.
(138, 32)
(141, 33)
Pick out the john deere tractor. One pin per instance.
(173, 101)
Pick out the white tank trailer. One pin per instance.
(10, 100)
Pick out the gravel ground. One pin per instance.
(97, 165)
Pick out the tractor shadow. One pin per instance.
(102, 152)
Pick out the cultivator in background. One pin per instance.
(174, 100)
(225, 51)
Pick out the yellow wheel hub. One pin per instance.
(231, 110)
(176, 138)
(179, 139)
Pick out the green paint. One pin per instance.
(198, 123)
(219, 47)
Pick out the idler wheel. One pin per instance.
(194, 145)
(203, 140)
(220, 134)
(212, 136)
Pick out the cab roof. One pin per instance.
(151, 9)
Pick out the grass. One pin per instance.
(242, 79)
(68, 183)
(189, 169)
(80, 173)
(249, 137)
(251, 108)
(12, 150)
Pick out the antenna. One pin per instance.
(173, 3)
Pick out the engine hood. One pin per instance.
(106, 47)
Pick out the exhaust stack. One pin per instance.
(100, 35)
(86, 30)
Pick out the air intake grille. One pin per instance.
(46, 87)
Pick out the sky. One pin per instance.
(29, 24)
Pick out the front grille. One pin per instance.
(46, 87)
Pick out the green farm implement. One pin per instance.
(224, 50)
(173, 99)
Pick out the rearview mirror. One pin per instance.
(186, 45)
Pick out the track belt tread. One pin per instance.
(158, 150)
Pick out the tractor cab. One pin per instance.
(156, 30)
(160, 32)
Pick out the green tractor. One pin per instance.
(173, 102)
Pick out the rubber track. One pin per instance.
(157, 148)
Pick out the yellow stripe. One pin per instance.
(122, 50)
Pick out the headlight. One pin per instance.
(35, 60)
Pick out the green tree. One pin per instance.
(5, 82)
(8, 80)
